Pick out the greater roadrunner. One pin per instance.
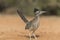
(33, 24)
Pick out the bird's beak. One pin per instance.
(41, 12)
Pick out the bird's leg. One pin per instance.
(30, 36)
(34, 35)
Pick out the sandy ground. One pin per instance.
(12, 28)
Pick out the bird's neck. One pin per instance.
(37, 18)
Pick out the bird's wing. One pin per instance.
(20, 13)
(28, 25)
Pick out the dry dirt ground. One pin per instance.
(12, 28)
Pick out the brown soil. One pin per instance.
(12, 28)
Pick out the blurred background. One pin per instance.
(10, 6)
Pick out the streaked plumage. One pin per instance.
(33, 24)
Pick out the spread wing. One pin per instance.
(20, 13)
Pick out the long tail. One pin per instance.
(20, 13)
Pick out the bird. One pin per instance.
(33, 24)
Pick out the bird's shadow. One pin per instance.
(32, 36)
(27, 36)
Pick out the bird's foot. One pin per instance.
(32, 36)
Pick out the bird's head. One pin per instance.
(38, 12)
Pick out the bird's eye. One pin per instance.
(37, 12)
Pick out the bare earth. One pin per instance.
(12, 28)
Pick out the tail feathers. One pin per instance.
(20, 13)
